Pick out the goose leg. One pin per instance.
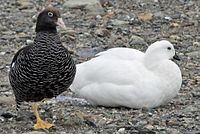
(40, 124)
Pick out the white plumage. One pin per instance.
(130, 78)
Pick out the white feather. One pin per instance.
(122, 53)
(128, 77)
(13, 64)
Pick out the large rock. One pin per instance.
(7, 100)
(137, 40)
(93, 6)
(119, 22)
(194, 53)
(35, 132)
(24, 4)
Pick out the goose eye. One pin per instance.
(169, 48)
(50, 14)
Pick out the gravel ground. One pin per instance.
(94, 27)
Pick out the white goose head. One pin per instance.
(158, 51)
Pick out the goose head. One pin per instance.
(159, 51)
(49, 19)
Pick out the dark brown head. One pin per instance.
(48, 19)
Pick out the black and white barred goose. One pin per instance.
(44, 69)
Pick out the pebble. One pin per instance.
(192, 132)
(121, 131)
(175, 37)
(159, 15)
(149, 127)
(195, 94)
(127, 17)
(188, 36)
(145, 16)
(2, 53)
(7, 37)
(34, 18)
(160, 128)
(89, 132)
(141, 123)
(2, 119)
(2, 67)
(102, 32)
(3, 28)
(109, 27)
(168, 18)
(98, 17)
(119, 22)
(197, 44)
(29, 42)
(105, 3)
(173, 131)
(63, 132)
(23, 35)
(190, 109)
(190, 3)
(183, 16)
(7, 115)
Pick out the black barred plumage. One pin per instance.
(44, 69)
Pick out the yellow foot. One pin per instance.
(40, 124)
(43, 125)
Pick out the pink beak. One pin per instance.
(61, 23)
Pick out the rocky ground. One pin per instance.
(93, 26)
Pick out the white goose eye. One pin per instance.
(50, 14)
(169, 48)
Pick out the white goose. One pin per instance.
(130, 78)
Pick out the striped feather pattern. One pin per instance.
(41, 70)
